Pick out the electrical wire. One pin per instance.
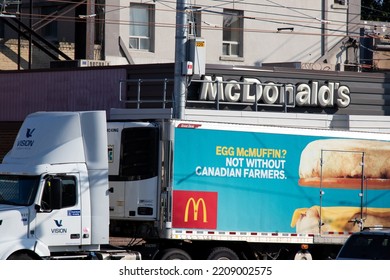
(297, 23)
(162, 2)
(305, 20)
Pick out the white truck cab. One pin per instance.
(54, 197)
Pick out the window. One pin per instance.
(59, 192)
(139, 153)
(141, 27)
(68, 196)
(232, 33)
(18, 190)
(342, 5)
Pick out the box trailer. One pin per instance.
(214, 190)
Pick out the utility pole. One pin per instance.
(85, 30)
(30, 45)
(90, 30)
(180, 85)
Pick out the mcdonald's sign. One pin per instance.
(192, 209)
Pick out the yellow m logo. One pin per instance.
(196, 205)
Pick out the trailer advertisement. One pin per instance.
(279, 181)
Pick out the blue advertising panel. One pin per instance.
(272, 182)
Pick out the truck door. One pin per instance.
(342, 198)
(58, 221)
(133, 151)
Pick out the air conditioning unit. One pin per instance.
(319, 66)
(91, 63)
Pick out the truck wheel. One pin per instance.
(222, 253)
(175, 254)
(303, 256)
(20, 256)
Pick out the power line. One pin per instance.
(162, 2)
(308, 22)
(298, 23)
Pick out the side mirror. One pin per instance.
(55, 191)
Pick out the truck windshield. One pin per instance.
(18, 190)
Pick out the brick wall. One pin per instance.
(40, 60)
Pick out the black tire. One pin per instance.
(175, 254)
(222, 253)
(20, 256)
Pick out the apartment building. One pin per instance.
(310, 33)
(319, 34)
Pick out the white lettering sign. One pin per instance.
(251, 90)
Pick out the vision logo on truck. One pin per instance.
(27, 142)
(59, 229)
(192, 209)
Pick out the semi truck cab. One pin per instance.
(54, 187)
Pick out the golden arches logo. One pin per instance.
(196, 205)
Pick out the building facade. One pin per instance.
(338, 100)
(315, 34)
(305, 34)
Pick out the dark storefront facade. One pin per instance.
(282, 90)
